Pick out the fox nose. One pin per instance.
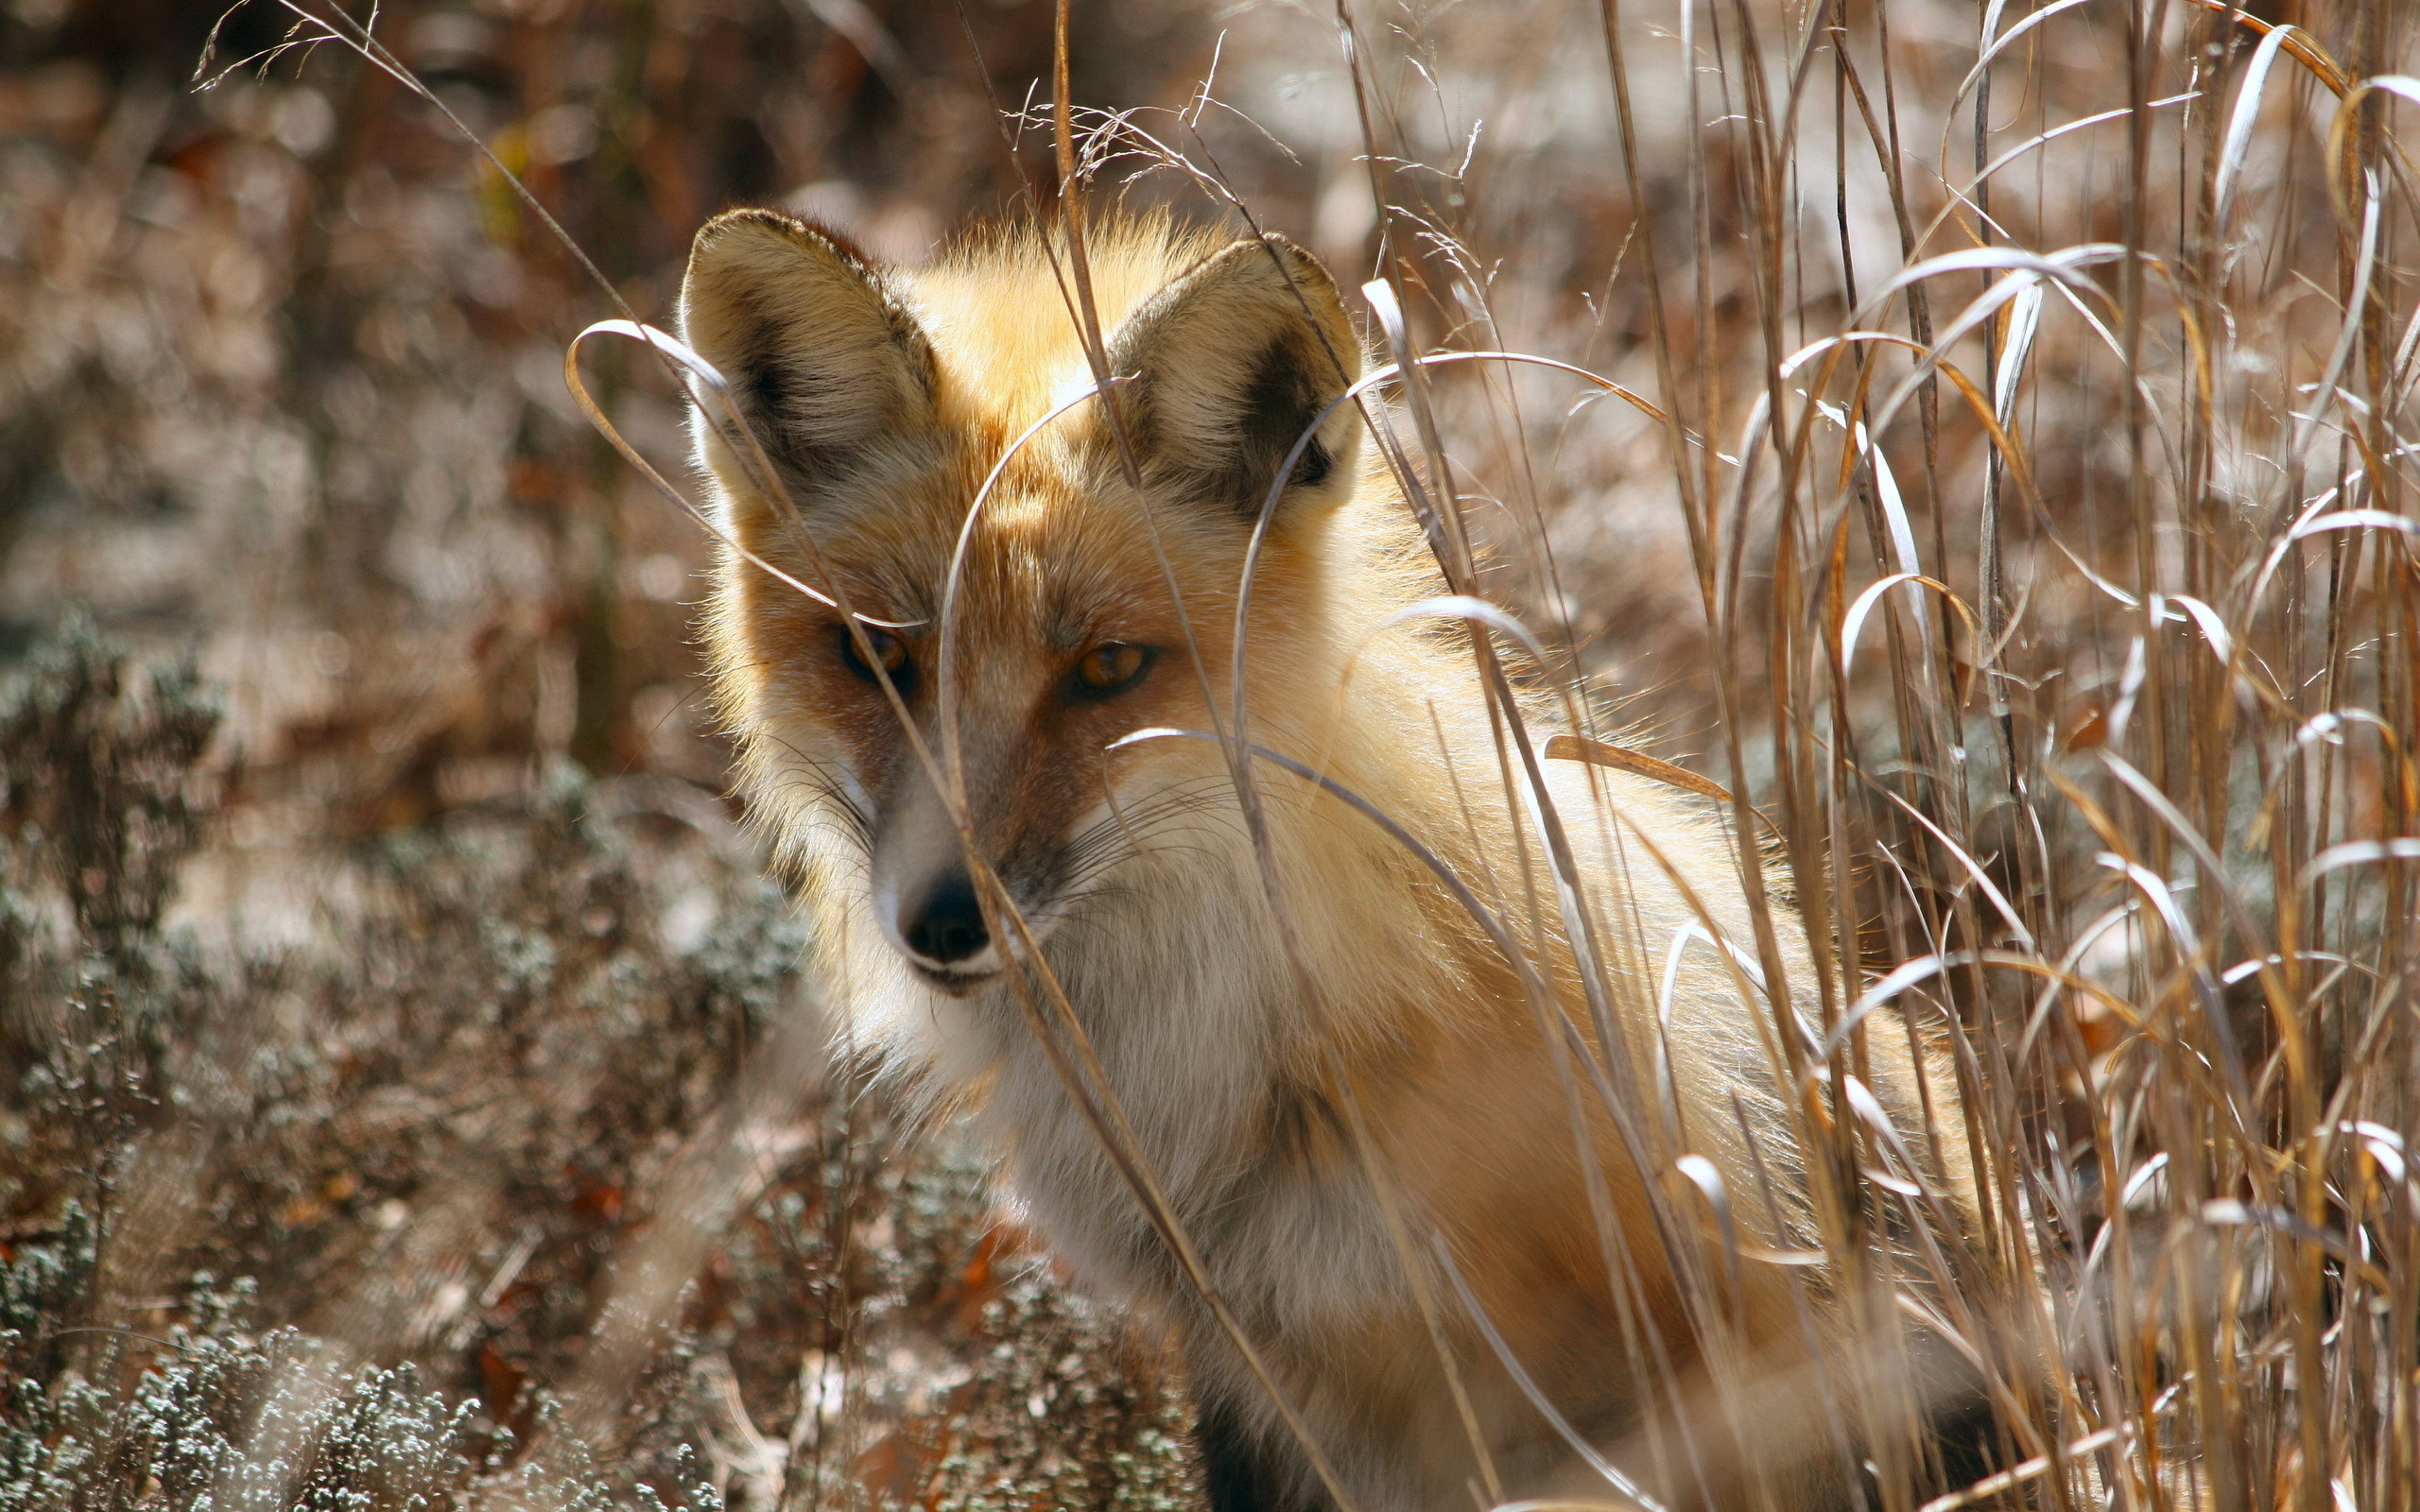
(947, 926)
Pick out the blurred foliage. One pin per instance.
(429, 1139)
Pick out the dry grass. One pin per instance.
(2078, 704)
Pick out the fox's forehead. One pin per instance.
(1003, 319)
(1047, 553)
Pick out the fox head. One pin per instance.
(1001, 650)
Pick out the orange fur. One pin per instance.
(1248, 1035)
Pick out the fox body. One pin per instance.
(1358, 1106)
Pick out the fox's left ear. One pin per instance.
(1233, 363)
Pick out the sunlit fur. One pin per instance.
(886, 397)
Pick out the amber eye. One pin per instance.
(888, 650)
(1109, 670)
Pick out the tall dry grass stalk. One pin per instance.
(2024, 389)
(2056, 576)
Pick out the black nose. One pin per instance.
(949, 925)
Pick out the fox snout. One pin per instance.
(926, 906)
(926, 900)
(1026, 740)
(944, 928)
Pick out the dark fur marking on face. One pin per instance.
(1035, 870)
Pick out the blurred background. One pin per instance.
(398, 1027)
(410, 983)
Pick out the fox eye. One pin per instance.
(890, 652)
(1110, 669)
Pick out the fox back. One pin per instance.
(976, 625)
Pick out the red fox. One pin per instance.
(1451, 1162)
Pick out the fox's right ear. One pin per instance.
(821, 358)
(1233, 363)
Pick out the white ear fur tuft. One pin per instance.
(821, 358)
(1233, 362)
